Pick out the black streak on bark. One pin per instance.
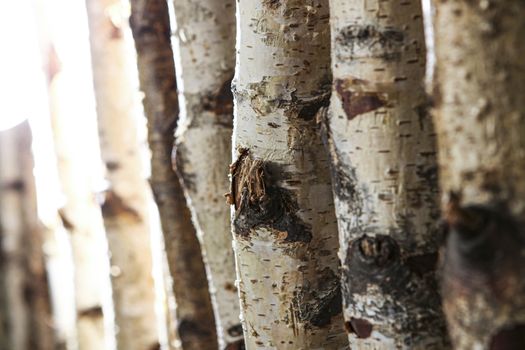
(317, 306)
(357, 102)
(68, 225)
(93, 312)
(235, 331)
(259, 202)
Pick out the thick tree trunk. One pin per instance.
(205, 49)
(480, 120)
(194, 314)
(125, 209)
(80, 216)
(29, 315)
(382, 147)
(284, 226)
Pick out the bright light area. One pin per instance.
(27, 30)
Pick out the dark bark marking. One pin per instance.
(360, 327)
(272, 4)
(112, 166)
(15, 185)
(154, 346)
(385, 43)
(316, 306)
(307, 110)
(423, 264)
(68, 225)
(273, 125)
(113, 207)
(149, 23)
(358, 102)
(221, 101)
(259, 202)
(92, 312)
(235, 331)
(237, 345)
(509, 338)
(179, 162)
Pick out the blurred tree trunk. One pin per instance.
(80, 214)
(30, 323)
(480, 119)
(205, 48)
(384, 169)
(194, 314)
(125, 208)
(284, 226)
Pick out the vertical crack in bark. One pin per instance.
(259, 202)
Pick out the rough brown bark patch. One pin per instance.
(114, 206)
(260, 202)
(358, 102)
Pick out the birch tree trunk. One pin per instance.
(205, 59)
(194, 314)
(284, 226)
(382, 147)
(80, 215)
(125, 210)
(29, 315)
(481, 122)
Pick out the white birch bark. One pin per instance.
(480, 119)
(125, 208)
(205, 58)
(284, 226)
(382, 147)
(29, 315)
(80, 215)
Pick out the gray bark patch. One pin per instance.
(316, 306)
(259, 202)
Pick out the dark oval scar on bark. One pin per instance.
(237, 345)
(509, 338)
(15, 185)
(113, 207)
(92, 312)
(358, 102)
(220, 102)
(259, 202)
(235, 331)
(361, 328)
(385, 43)
(154, 346)
(316, 306)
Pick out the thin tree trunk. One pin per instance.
(29, 315)
(80, 214)
(205, 48)
(284, 226)
(194, 314)
(125, 209)
(480, 119)
(382, 147)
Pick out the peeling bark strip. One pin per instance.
(383, 170)
(205, 57)
(194, 314)
(125, 210)
(285, 234)
(480, 123)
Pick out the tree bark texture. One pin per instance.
(194, 314)
(382, 147)
(80, 215)
(480, 119)
(30, 323)
(285, 230)
(205, 60)
(125, 208)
